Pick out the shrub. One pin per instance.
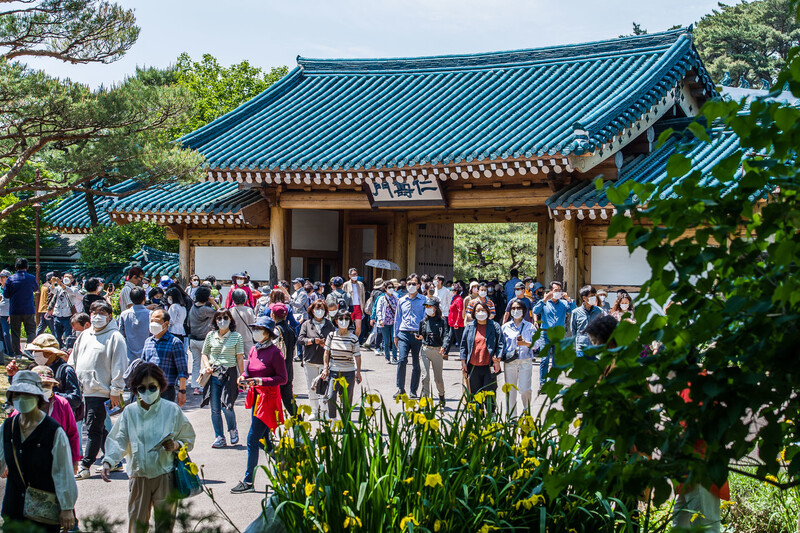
(420, 471)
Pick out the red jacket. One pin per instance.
(456, 316)
(268, 407)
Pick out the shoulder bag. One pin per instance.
(40, 505)
(187, 483)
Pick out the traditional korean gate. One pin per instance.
(435, 249)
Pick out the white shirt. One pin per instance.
(355, 295)
(138, 430)
(177, 315)
(63, 476)
(445, 296)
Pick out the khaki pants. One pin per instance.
(431, 358)
(196, 348)
(145, 494)
(312, 371)
(519, 372)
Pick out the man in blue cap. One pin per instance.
(338, 296)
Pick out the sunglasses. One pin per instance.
(141, 389)
(411, 284)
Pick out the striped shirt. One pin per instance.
(343, 350)
(223, 352)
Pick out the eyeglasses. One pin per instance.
(411, 284)
(141, 389)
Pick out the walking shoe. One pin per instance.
(442, 399)
(395, 361)
(389, 362)
(234, 437)
(197, 391)
(243, 487)
(219, 442)
(118, 467)
(398, 394)
(414, 395)
(83, 473)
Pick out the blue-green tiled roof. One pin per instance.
(72, 214)
(388, 113)
(651, 168)
(210, 198)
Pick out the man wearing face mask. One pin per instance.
(166, 350)
(410, 312)
(582, 316)
(100, 358)
(355, 289)
(519, 296)
(134, 324)
(552, 309)
(135, 277)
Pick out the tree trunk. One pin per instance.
(92, 209)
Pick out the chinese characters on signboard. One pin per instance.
(413, 191)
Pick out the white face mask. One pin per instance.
(40, 358)
(224, 323)
(592, 300)
(48, 393)
(343, 324)
(482, 294)
(518, 292)
(25, 404)
(354, 278)
(481, 315)
(332, 313)
(145, 286)
(169, 300)
(412, 289)
(195, 283)
(99, 321)
(239, 281)
(557, 295)
(67, 281)
(390, 291)
(602, 298)
(430, 311)
(516, 313)
(319, 313)
(624, 307)
(156, 328)
(259, 335)
(149, 397)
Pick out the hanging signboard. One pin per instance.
(412, 192)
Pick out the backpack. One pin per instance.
(341, 302)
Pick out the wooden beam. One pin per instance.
(413, 230)
(257, 214)
(227, 234)
(184, 257)
(277, 234)
(503, 197)
(564, 268)
(324, 200)
(476, 216)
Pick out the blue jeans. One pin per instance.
(5, 339)
(217, 408)
(63, 329)
(408, 343)
(258, 431)
(389, 349)
(546, 359)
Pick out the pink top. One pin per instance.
(250, 302)
(60, 411)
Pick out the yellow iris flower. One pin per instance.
(408, 520)
(432, 480)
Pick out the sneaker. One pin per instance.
(118, 467)
(414, 395)
(83, 473)
(388, 361)
(197, 391)
(394, 361)
(312, 417)
(397, 394)
(219, 442)
(442, 399)
(234, 437)
(243, 487)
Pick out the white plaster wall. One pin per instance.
(613, 265)
(314, 229)
(223, 261)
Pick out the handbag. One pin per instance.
(39, 505)
(187, 484)
(320, 385)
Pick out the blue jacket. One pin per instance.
(19, 290)
(494, 340)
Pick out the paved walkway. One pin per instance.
(223, 468)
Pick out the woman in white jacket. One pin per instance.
(149, 433)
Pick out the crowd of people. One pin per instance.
(168, 340)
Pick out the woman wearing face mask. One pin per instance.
(264, 375)
(223, 358)
(177, 312)
(385, 311)
(431, 333)
(468, 299)
(194, 284)
(36, 452)
(518, 360)
(148, 433)
(483, 297)
(239, 281)
(455, 318)
(622, 305)
(312, 336)
(243, 316)
(342, 360)
(481, 351)
(155, 298)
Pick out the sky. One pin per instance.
(272, 33)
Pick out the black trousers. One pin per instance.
(481, 378)
(287, 393)
(95, 429)
(16, 330)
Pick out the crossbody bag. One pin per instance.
(40, 505)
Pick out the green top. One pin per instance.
(223, 352)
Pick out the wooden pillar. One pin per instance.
(184, 255)
(413, 230)
(544, 267)
(582, 268)
(277, 242)
(564, 267)
(399, 241)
